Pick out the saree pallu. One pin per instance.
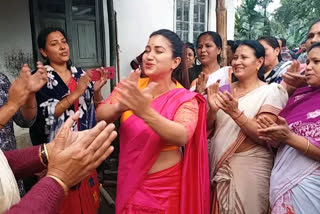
(160, 190)
(140, 147)
(295, 178)
(232, 174)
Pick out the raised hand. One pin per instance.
(38, 79)
(212, 92)
(293, 76)
(73, 155)
(103, 80)
(83, 84)
(228, 104)
(202, 83)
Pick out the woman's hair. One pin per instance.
(314, 45)
(258, 52)
(315, 22)
(273, 42)
(178, 50)
(191, 46)
(42, 39)
(233, 45)
(215, 38)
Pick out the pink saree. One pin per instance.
(140, 147)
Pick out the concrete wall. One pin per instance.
(15, 36)
(136, 21)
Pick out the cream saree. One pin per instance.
(240, 181)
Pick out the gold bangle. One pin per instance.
(246, 120)
(43, 155)
(241, 113)
(308, 146)
(46, 152)
(61, 183)
(68, 101)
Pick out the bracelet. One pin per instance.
(68, 100)
(241, 113)
(43, 155)
(246, 120)
(62, 184)
(308, 146)
(46, 152)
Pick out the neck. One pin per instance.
(248, 83)
(270, 67)
(59, 68)
(210, 68)
(163, 85)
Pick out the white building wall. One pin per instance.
(136, 21)
(15, 36)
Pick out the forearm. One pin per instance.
(29, 109)
(108, 112)
(45, 197)
(65, 103)
(211, 117)
(168, 130)
(6, 113)
(24, 162)
(301, 143)
(97, 98)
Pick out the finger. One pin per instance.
(261, 123)
(231, 98)
(216, 87)
(88, 139)
(104, 146)
(106, 154)
(102, 137)
(281, 121)
(222, 98)
(219, 105)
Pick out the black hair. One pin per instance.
(273, 42)
(178, 50)
(315, 22)
(233, 45)
(42, 39)
(259, 51)
(314, 45)
(284, 42)
(215, 38)
(191, 46)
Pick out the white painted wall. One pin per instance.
(15, 33)
(136, 21)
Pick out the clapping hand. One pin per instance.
(212, 92)
(202, 83)
(228, 104)
(273, 132)
(293, 76)
(74, 155)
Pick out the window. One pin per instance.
(191, 18)
(81, 21)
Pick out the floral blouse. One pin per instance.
(7, 138)
(46, 125)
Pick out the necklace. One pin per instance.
(239, 94)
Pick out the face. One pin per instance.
(207, 51)
(158, 60)
(313, 35)
(56, 49)
(229, 55)
(245, 64)
(190, 57)
(313, 67)
(271, 55)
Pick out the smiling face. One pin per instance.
(207, 50)
(313, 67)
(271, 55)
(158, 60)
(56, 48)
(245, 63)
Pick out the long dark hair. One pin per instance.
(259, 51)
(42, 39)
(215, 38)
(273, 42)
(178, 50)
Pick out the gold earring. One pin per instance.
(258, 68)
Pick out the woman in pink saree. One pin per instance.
(158, 117)
(295, 178)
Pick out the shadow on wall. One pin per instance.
(14, 60)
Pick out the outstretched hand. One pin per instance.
(212, 92)
(74, 155)
(228, 104)
(202, 83)
(293, 76)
